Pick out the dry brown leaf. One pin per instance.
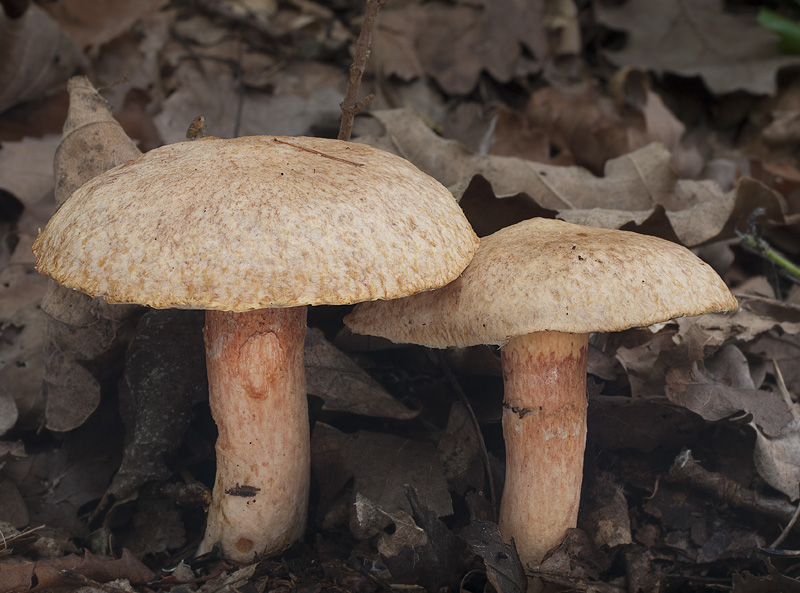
(164, 376)
(343, 385)
(639, 190)
(26, 168)
(78, 328)
(693, 389)
(731, 52)
(454, 43)
(305, 95)
(777, 459)
(36, 56)
(21, 364)
(592, 128)
(460, 452)
(640, 423)
(604, 512)
(26, 576)
(381, 465)
(93, 22)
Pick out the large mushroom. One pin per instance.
(254, 229)
(538, 288)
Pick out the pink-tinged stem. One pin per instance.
(544, 424)
(257, 393)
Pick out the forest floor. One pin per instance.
(672, 119)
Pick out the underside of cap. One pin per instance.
(550, 275)
(256, 222)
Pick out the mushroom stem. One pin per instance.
(257, 393)
(544, 424)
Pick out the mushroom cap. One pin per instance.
(549, 275)
(257, 222)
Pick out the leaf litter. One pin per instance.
(555, 136)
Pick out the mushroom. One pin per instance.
(253, 229)
(538, 288)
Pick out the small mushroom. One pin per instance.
(538, 288)
(254, 229)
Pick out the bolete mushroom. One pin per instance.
(538, 288)
(253, 229)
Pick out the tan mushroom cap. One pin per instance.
(549, 275)
(257, 222)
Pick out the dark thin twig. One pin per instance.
(327, 156)
(349, 105)
(779, 540)
(239, 74)
(451, 379)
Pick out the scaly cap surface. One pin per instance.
(257, 222)
(548, 275)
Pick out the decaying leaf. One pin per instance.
(21, 367)
(164, 377)
(78, 328)
(451, 42)
(90, 23)
(35, 56)
(777, 459)
(343, 385)
(503, 566)
(731, 52)
(380, 465)
(460, 453)
(604, 512)
(690, 387)
(423, 550)
(589, 127)
(636, 188)
(26, 576)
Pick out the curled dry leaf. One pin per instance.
(503, 566)
(78, 328)
(639, 190)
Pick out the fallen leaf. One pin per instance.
(91, 23)
(592, 127)
(640, 423)
(21, 367)
(343, 385)
(635, 187)
(695, 390)
(731, 52)
(460, 452)
(424, 551)
(604, 512)
(380, 465)
(79, 329)
(747, 582)
(26, 576)
(454, 43)
(36, 56)
(776, 459)
(165, 375)
(503, 566)
(26, 168)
